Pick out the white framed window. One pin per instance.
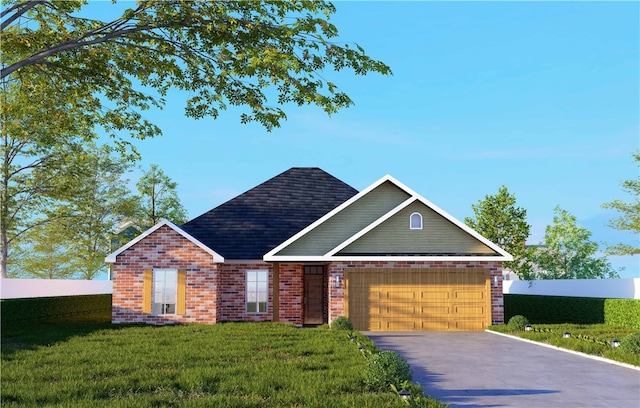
(415, 221)
(257, 291)
(165, 291)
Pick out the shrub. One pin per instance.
(622, 312)
(631, 343)
(341, 323)
(384, 369)
(555, 309)
(18, 312)
(517, 322)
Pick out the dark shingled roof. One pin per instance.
(253, 223)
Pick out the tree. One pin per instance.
(37, 165)
(77, 233)
(499, 220)
(629, 220)
(242, 53)
(40, 137)
(64, 75)
(159, 198)
(43, 252)
(101, 202)
(568, 253)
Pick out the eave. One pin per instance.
(374, 258)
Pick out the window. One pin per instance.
(165, 291)
(415, 221)
(257, 290)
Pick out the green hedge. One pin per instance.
(554, 309)
(51, 309)
(578, 310)
(622, 312)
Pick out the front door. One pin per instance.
(313, 294)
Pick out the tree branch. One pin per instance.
(19, 9)
(69, 45)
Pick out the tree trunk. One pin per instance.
(4, 212)
(5, 253)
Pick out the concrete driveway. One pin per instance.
(479, 369)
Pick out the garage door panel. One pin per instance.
(435, 295)
(400, 296)
(468, 295)
(469, 310)
(418, 299)
(401, 325)
(376, 310)
(435, 325)
(469, 325)
(435, 310)
(374, 294)
(400, 311)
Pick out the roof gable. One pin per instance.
(352, 217)
(393, 236)
(111, 258)
(474, 245)
(253, 223)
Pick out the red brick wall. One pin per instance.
(336, 270)
(164, 248)
(232, 288)
(232, 293)
(214, 292)
(291, 293)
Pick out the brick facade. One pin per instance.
(164, 248)
(291, 293)
(216, 292)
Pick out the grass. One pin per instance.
(594, 339)
(223, 365)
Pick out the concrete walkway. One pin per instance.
(479, 369)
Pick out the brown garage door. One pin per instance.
(418, 299)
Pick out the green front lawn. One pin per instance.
(592, 339)
(224, 365)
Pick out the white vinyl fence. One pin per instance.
(31, 288)
(597, 288)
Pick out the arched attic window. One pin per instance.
(415, 221)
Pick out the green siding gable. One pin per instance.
(437, 236)
(347, 222)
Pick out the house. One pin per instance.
(305, 248)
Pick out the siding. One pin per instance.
(437, 236)
(347, 222)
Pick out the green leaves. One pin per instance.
(233, 50)
(568, 252)
(66, 213)
(158, 198)
(64, 77)
(499, 220)
(629, 219)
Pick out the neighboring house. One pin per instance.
(305, 248)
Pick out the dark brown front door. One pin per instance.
(313, 294)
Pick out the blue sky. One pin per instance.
(542, 97)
